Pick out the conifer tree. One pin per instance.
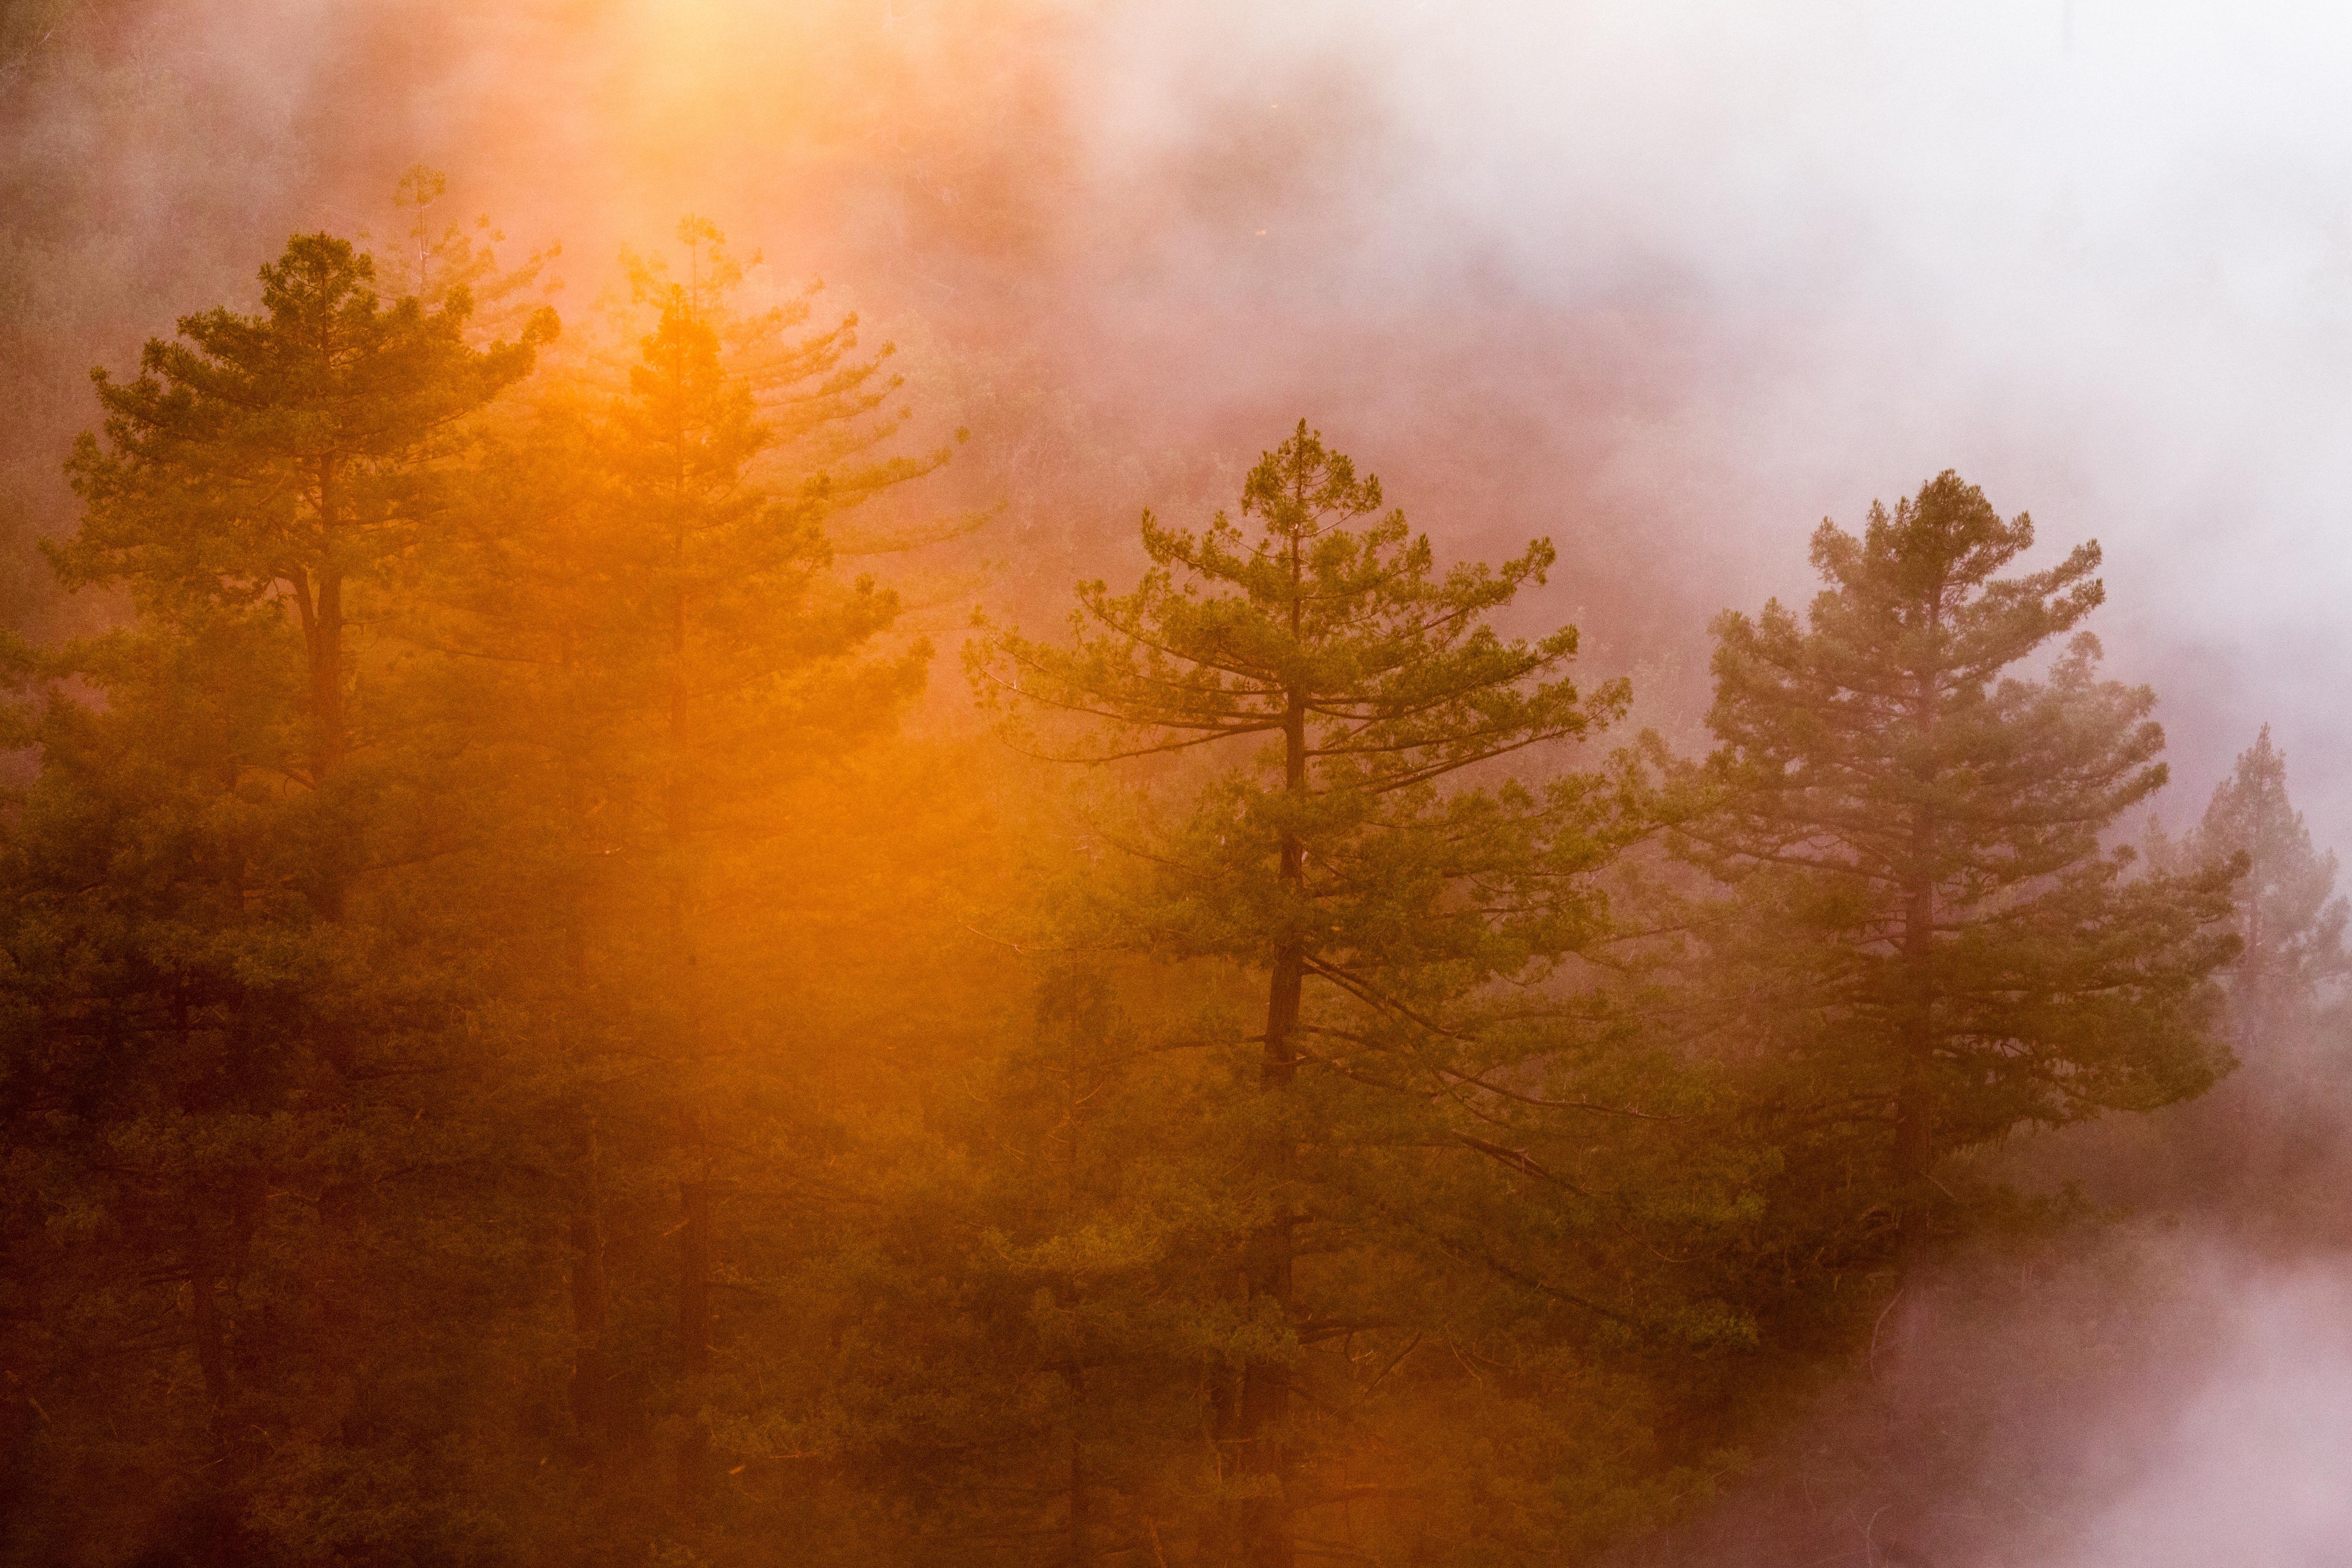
(1380, 907)
(644, 604)
(433, 267)
(272, 466)
(232, 1063)
(2289, 917)
(750, 669)
(1929, 945)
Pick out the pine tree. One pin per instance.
(2289, 919)
(275, 466)
(1928, 943)
(313, 926)
(644, 604)
(432, 267)
(1383, 909)
(230, 1031)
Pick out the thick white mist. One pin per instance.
(2095, 254)
(1704, 272)
(2249, 1467)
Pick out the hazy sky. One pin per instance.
(2097, 257)
(1668, 282)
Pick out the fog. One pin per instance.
(2174, 1398)
(2245, 1468)
(1669, 283)
(2097, 257)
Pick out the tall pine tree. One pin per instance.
(643, 602)
(276, 466)
(1402, 919)
(229, 1035)
(2289, 916)
(1928, 945)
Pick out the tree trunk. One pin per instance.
(322, 636)
(694, 1194)
(2253, 1014)
(1262, 1438)
(326, 660)
(1068, 1292)
(1915, 1131)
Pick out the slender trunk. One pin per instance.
(1915, 1132)
(1262, 1436)
(322, 635)
(342, 1290)
(1070, 1291)
(2256, 967)
(1280, 1064)
(1281, 1061)
(594, 1404)
(695, 1191)
(339, 1290)
(326, 678)
(694, 1194)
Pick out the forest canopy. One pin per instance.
(535, 1031)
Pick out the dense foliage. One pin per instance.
(1920, 908)
(513, 1048)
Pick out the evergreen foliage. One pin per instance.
(233, 1040)
(1418, 936)
(509, 1051)
(2289, 919)
(1928, 944)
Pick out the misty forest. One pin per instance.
(779, 791)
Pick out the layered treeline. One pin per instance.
(515, 1052)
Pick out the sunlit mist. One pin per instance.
(1016, 782)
